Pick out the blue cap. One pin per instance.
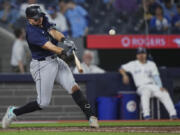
(141, 50)
(52, 9)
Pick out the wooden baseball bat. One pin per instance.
(77, 62)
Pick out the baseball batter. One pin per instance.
(148, 83)
(47, 67)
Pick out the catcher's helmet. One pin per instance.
(34, 12)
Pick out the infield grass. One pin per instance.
(77, 133)
(85, 123)
(102, 123)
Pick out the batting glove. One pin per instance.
(70, 44)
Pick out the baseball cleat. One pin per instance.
(147, 118)
(8, 117)
(93, 122)
(173, 117)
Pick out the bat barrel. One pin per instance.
(77, 62)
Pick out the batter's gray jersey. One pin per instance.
(45, 73)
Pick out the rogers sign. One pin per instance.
(148, 42)
(133, 41)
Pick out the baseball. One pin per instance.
(112, 32)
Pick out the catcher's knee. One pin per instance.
(165, 95)
(75, 88)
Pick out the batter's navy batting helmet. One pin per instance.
(34, 12)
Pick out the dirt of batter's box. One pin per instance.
(174, 129)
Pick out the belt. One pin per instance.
(145, 84)
(42, 59)
(149, 83)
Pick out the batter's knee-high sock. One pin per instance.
(30, 107)
(82, 102)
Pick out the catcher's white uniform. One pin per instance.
(147, 87)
